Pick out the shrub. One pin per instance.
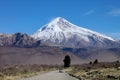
(67, 61)
(96, 61)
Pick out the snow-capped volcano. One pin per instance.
(60, 32)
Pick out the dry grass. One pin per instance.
(101, 71)
(20, 71)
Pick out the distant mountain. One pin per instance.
(60, 32)
(18, 40)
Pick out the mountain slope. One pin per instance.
(60, 32)
(55, 55)
(36, 55)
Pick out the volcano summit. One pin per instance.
(60, 32)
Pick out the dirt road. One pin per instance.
(53, 75)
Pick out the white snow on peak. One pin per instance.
(61, 29)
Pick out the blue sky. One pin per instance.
(27, 16)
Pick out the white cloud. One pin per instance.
(89, 12)
(114, 35)
(114, 12)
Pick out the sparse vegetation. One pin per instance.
(100, 71)
(15, 72)
(90, 62)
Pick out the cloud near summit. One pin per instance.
(114, 12)
(89, 12)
